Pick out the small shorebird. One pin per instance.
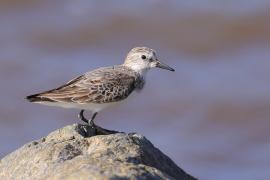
(103, 87)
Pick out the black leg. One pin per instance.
(92, 128)
(91, 122)
(81, 117)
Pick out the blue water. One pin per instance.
(211, 116)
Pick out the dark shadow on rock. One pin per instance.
(88, 131)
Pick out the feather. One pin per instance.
(103, 85)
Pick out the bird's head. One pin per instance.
(141, 59)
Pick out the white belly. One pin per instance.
(90, 106)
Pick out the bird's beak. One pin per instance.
(163, 66)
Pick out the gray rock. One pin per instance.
(67, 154)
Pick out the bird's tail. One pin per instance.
(36, 98)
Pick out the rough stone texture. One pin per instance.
(67, 154)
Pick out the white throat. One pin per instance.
(142, 70)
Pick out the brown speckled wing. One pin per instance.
(102, 85)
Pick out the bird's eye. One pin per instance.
(143, 57)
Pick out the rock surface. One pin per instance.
(68, 154)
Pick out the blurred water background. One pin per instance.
(211, 116)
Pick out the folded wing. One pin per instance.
(103, 85)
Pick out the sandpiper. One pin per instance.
(103, 87)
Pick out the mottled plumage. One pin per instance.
(103, 85)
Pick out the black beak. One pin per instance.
(163, 66)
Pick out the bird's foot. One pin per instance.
(93, 130)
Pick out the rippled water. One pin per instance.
(211, 116)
